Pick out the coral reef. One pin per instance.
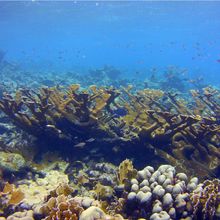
(206, 200)
(11, 162)
(61, 207)
(57, 114)
(126, 171)
(149, 193)
(10, 197)
(155, 120)
(25, 215)
(184, 133)
(159, 193)
(36, 190)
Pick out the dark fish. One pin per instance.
(218, 60)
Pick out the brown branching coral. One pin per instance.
(61, 114)
(206, 200)
(170, 125)
(207, 102)
(186, 133)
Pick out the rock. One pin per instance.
(86, 202)
(11, 162)
(26, 215)
(92, 213)
(35, 193)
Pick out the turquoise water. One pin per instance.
(130, 35)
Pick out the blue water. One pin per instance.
(132, 36)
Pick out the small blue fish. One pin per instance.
(80, 145)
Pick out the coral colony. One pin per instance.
(64, 148)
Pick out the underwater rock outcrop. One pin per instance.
(11, 162)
